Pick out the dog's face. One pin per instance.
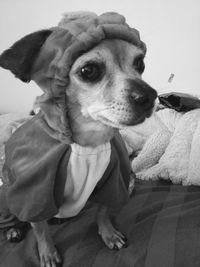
(106, 82)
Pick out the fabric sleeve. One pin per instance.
(32, 160)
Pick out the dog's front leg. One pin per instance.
(111, 237)
(49, 256)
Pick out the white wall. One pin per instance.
(170, 28)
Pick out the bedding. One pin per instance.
(170, 149)
(161, 222)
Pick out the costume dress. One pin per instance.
(35, 174)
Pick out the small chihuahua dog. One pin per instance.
(104, 92)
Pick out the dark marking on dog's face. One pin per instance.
(107, 83)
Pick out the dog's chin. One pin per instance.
(121, 123)
(130, 121)
(109, 122)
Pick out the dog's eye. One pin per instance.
(92, 72)
(139, 64)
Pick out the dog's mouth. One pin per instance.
(120, 123)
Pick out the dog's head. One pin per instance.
(107, 83)
(90, 70)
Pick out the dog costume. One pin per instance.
(41, 153)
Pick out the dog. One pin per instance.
(92, 87)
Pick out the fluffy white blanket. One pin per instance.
(166, 146)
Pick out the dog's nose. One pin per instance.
(140, 99)
(142, 94)
(144, 100)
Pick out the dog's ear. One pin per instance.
(20, 57)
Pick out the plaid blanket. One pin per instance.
(161, 221)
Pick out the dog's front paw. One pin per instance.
(49, 256)
(112, 238)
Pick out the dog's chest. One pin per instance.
(85, 168)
